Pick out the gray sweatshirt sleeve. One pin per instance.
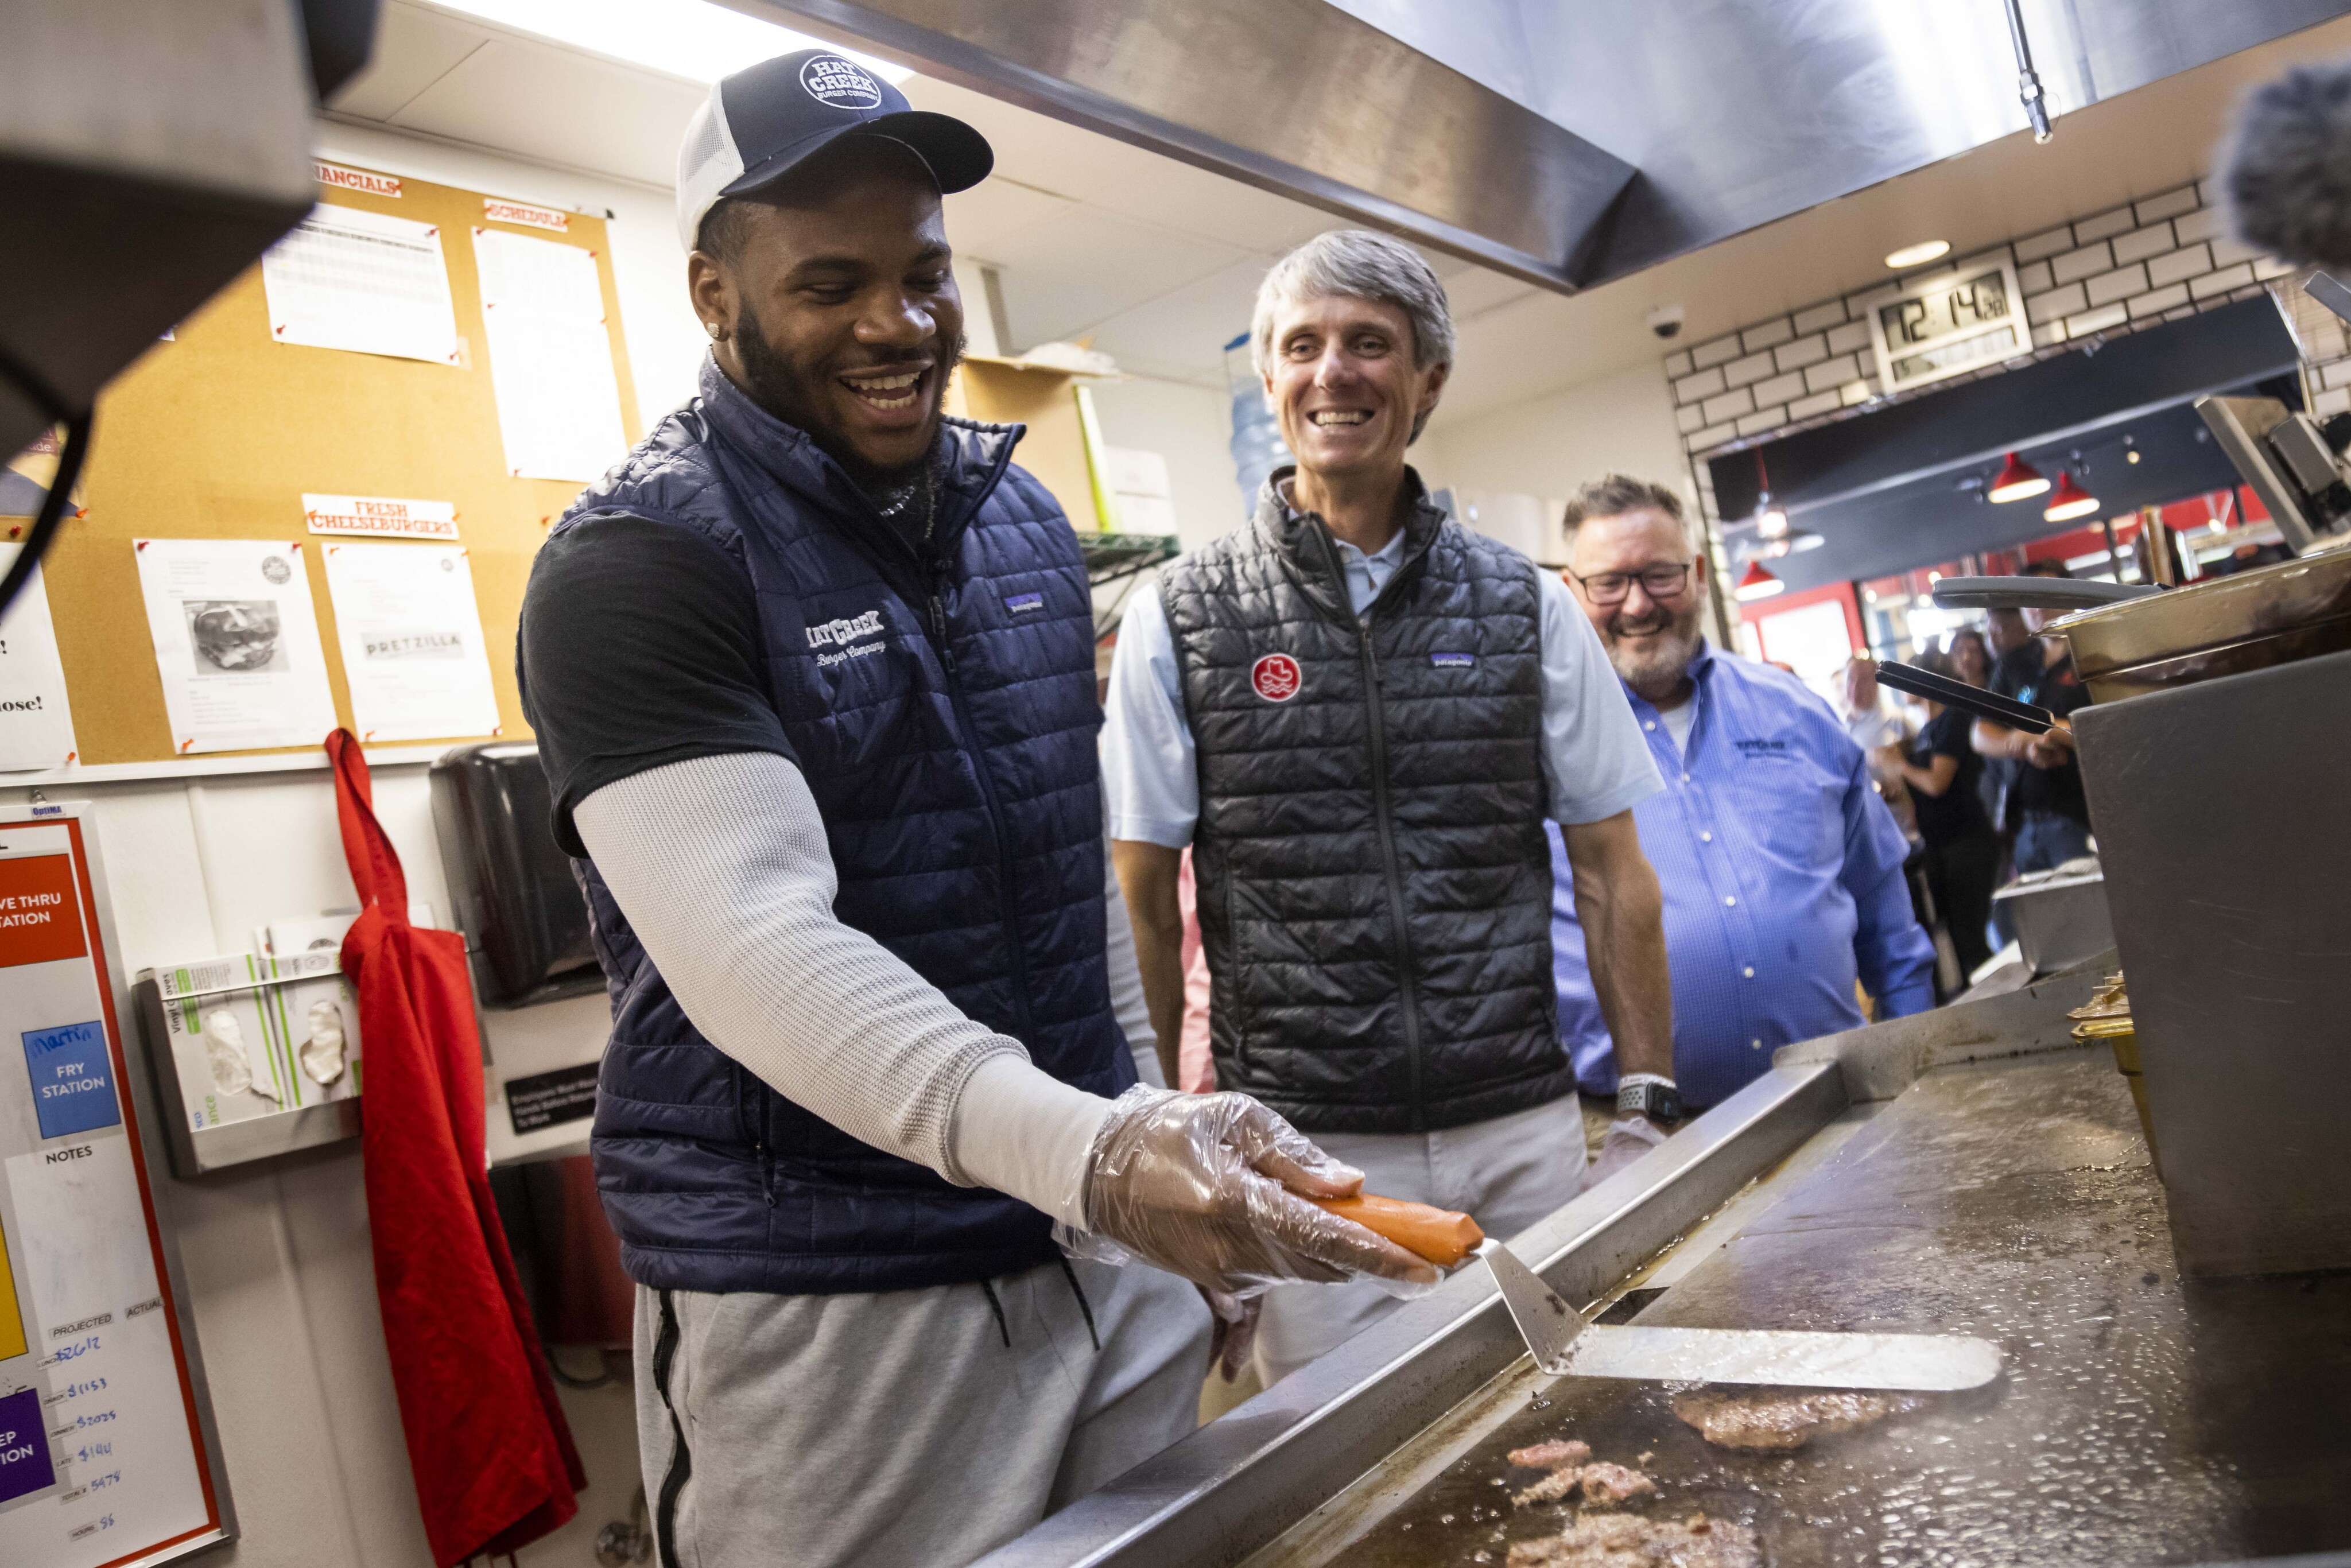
(722, 867)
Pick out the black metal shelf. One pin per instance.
(1120, 558)
(1109, 557)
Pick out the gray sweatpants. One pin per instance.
(911, 1427)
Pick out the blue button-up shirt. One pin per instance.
(1782, 877)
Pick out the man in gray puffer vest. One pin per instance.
(1358, 715)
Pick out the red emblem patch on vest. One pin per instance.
(1277, 677)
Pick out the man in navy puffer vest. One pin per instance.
(812, 675)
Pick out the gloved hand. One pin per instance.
(1235, 1333)
(1629, 1137)
(1208, 1186)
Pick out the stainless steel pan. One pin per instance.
(2128, 641)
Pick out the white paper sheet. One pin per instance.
(346, 278)
(237, 643)
(35, 721)
(551, 357)
(412, 641)
(113, 1409)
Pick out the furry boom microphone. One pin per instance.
(2286, 166)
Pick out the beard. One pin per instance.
(1654, 661)
(796, 397)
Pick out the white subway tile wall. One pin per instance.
(1753, 368)
(2104, 226)
(1820, 317)
(2120, 284)
(2086, 262)
(1847, 339)
(2159, 258)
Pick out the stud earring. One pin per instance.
(712, 328)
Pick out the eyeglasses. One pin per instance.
(1659, 582)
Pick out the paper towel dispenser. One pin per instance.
(524, 916)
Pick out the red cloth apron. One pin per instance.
(493, 1458)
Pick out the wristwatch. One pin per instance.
(1647, 1094)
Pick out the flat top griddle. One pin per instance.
(2139, 1419)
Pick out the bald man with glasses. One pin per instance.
(1782, 868)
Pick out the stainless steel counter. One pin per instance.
(1967, 1171)
(2137, 1420)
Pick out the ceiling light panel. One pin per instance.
(1919, 254)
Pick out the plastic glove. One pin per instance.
(1629, 1137)
(1206, 1185)
(1234, 1333)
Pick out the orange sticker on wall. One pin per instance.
(40, 918)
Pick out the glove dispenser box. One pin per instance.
(522, 916)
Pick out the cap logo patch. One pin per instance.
(1276, 678)
(838, 84)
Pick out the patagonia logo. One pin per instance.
(1023, 603)
(834, 633)
(1762, 747)
(1453, 661)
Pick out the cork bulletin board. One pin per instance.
(219, 432)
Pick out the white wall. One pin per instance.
(1548, 446)
(1191, 426)
(666, 340)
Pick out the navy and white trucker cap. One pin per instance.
(759, 123)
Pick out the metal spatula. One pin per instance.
(1562, 1343)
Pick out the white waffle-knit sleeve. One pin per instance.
(721, 865)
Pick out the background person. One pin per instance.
(1962, 850)
(1358, 715)
(1869, 719)
(1781, 866)
(1882, 731)
(2004, 632)
(840, 827)
(2044, 808)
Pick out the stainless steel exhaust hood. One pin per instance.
(1375, 129)
(1564, 143)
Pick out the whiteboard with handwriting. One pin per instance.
(104, 1450)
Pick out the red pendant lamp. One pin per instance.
(2017, 480)
(2071, 501)
(1757, 583)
